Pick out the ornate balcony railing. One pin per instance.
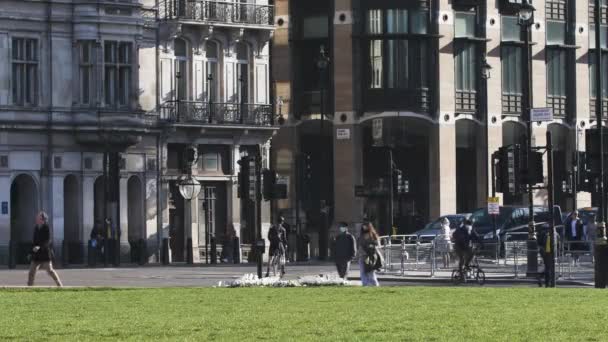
(204, 113)
(218, 12)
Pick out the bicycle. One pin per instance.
(472, 272)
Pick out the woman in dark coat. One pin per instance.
(42, 251)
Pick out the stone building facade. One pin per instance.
(98, 100)
(418, 66)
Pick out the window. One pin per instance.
(212, 58)
(117, 74)
(465, 62)
(556, 81)
(593, 56)
(180, 51)
(241, 81)
(557, 56)
(25, 71)
(395, 54)
(86, 70)
(466, 84)
(511, 79)
(512, 59)
(211, 162)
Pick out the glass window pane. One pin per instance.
(16, 48)
(556, 32)
(179, 48)
(210, 162)
(396, 21)
(464, 25)
(465, 68)
(211, 49)
(315, 27)
(375, 57)
(374, 21)
(420, 21)
(510, 30)
(241, 51)
(397, 72)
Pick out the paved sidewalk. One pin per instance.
(156, 276)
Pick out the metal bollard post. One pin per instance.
(515, 257)
(403, 257)
(433, 258)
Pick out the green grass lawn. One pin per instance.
(365, 314)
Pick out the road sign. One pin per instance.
(493, 205)
(343, 134)
(541, 114)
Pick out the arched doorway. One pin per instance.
(513, 132)
(410, 141)
(468, 178)
(136, 209)
(99, 190)
(24, 206)
(71, 227)
(317, 180)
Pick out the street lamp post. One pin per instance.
(526, 20)
(322, 64)
(189, 187)
(599, 110)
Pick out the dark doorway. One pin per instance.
(71, 218)
(24, 207)
(467, 179)
(212, 214)
(177, 241)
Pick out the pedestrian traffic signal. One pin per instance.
(270, 181)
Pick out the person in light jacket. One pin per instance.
(442, 242)
(368, 245)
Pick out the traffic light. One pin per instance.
(243, 178)
(584, 178)
(508, 169)
(270, 181)
(534, 174)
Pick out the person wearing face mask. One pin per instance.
(345, 250)
(463, 238)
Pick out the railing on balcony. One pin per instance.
(511, 104)
(204, 113)
(466, 101)
(218, 12)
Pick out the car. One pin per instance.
(432, 229)
(509, 217)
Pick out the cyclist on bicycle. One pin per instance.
(277, 235)
(463, 239)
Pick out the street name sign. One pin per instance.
(541, 114)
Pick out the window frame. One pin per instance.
(217, 78)
(379, 95)
(27, 95)
(88, 67)
(112, 97)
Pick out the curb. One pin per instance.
(489, 280)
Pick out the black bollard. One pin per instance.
(213, 250)
(165, 252)
(92, 254)
(601, 266)
(141, 244)
(189, 256)
(236, 253)
(65, 256)
(116, 252)
(12, 254)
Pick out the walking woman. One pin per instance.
(368, 254)
(442, 242)
(42, 250)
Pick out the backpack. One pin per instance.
(273, 234)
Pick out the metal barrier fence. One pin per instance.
(426, 255)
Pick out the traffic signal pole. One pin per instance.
(600, 116)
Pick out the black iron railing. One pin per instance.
(204, 113)
(218, 12)
(592, 109)
(511, 104)
(559, 105)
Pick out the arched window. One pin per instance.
(213, 76)
(180, 50)
(242, 73)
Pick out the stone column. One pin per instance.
(57, 215)
(5, 219)
(88, 210)
(234, 202)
